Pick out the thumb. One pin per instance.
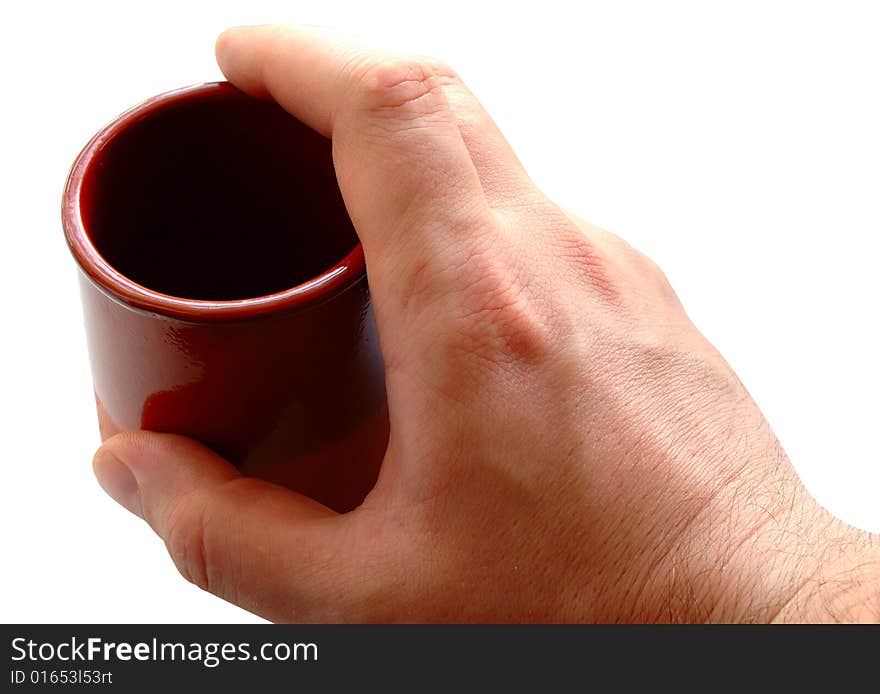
(263, 547)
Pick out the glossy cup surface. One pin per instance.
(224, 290)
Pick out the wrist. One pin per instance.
(846, 591)
(801, 564)
(772, 554)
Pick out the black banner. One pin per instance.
(136, 658)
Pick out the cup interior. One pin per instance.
(217, 196)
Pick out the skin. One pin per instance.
(565, 444)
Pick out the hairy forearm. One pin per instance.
(845, 591)
(764, 550)
(805, 565)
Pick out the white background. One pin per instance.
(737, 143)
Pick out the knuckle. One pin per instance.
(500, 317)
(608, 265)
(586, 259)
(646, 267)
(403, 85)
(648, 275)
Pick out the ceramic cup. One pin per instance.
(224, 290)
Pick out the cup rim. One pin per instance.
(340, 276)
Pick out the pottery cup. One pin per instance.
(224, 290)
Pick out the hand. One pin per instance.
(565, 445)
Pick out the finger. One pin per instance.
(263, 547)
(405, 172)
(502, 175)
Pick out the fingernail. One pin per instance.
(116, 479)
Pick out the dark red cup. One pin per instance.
(224, 290)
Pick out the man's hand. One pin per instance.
(565, 445)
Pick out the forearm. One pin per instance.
(845, 591)
(796, 562)
(763, 550)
